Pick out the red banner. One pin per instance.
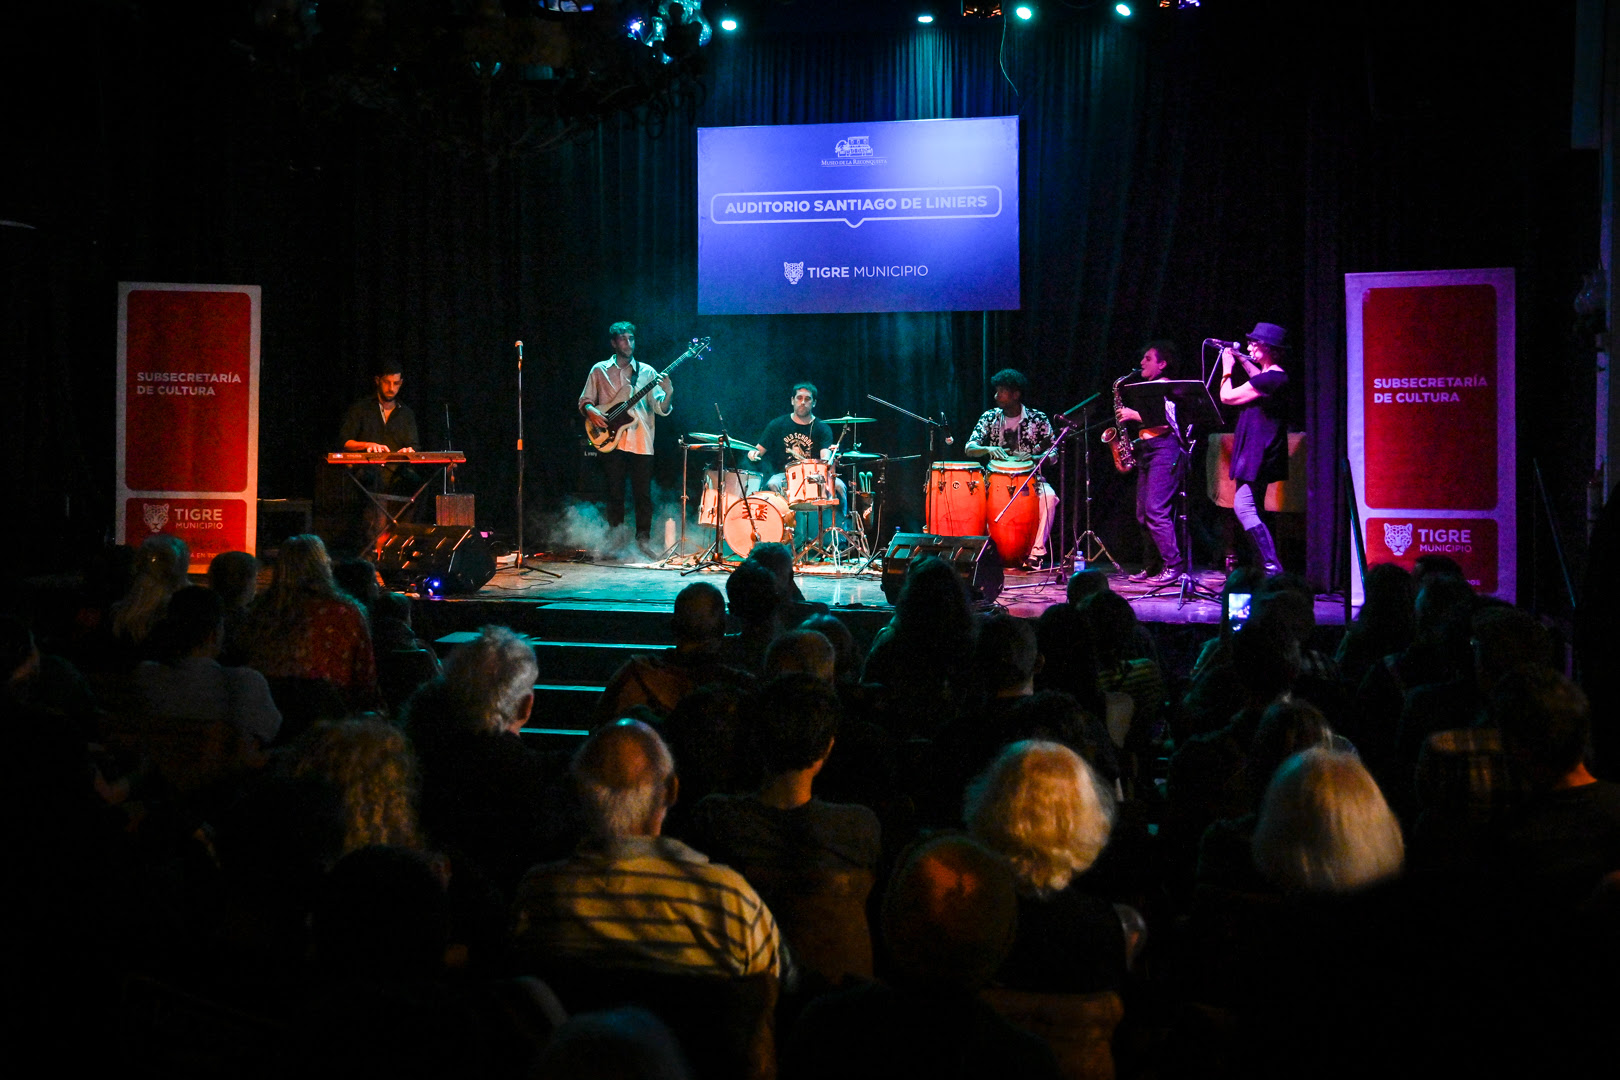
(1430, 420)
(188, 366)
(1430, 396)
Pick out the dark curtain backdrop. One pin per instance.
(1181, 178)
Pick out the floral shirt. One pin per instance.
(1030, 438)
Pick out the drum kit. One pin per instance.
(804, 515)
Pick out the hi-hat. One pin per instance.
(852, 420)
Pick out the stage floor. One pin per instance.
(643, 586)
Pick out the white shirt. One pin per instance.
(607, 384)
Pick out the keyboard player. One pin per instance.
(381, 422)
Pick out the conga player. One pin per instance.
(1013, 432)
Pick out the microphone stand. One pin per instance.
(928, 459)
(1088, 539)
(522, 559)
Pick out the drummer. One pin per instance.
(1011, 432)
(796, 437)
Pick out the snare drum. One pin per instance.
(1015, 533)
(772, 520)
(810, 483)
(710, 505)
(956, 499)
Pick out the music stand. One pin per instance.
(1194, 409)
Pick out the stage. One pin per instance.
(590, 617)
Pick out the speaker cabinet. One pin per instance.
(975, 558)
(455, 555)
(453, 509)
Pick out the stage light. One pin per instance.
(1123, 9)
(1024, 11)
(925, 19)
(727, 23)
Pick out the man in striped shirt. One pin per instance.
(630, 897)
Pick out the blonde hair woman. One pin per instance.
(1324, 827)
(160, 572)
(371, 764)
(1041, 806)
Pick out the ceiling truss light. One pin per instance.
(925, 19)
(1024, 11)
(981, 9)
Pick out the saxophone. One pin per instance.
(1117, 438)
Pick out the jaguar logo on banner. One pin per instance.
(793, 272)
(1398, 537)
(156, 515)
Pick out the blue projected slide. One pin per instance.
(911, 215)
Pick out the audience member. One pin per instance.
(305, 628)
(812, 862)
(752, 593)
(631, 897)
(659, 681)
(372, 766)
(949, 919)
(802, 651)
(1386, 623)
(1086, 583)
(160, 572)
(234, 575)
(1040, 805)
(1125, 664)
(487, 798)
(190, 685)
(917, 657)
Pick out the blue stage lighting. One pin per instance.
(1123, 9)
(1024, 11)
(728, 23)
(925, 19)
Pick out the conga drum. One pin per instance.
(1005, 490)
(956, 498)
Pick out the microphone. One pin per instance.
(1235, 346)
(946, 424)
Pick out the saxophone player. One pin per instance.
(1161, 456)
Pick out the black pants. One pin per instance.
(1161, 467)
(639, 466)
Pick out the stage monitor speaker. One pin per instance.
(975, 558)
(417, 556)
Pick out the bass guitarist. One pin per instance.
(614, 380)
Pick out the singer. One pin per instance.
(1260, 446)
(608, 383)
(1012, 432)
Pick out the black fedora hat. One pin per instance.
(1269, 334)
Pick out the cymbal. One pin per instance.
(702, 440)
(860, 455)
(852, 420)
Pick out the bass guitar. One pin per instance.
(602, 436)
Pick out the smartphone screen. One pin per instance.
(1237, 609)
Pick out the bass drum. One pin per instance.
(764, 517)
(710, 504)
(956, 499)
(1019, 507)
